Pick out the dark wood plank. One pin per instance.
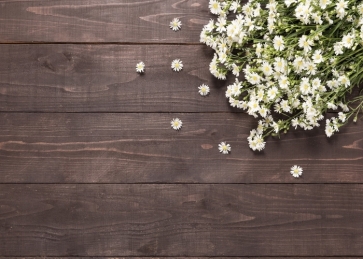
(181, 220)
(142, 148)
(77, 78)
(179, 257)
(102, 21)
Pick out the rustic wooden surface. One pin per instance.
(90, 167)
(181, 220)
(114, 21)
(94, 78)
(142, 148)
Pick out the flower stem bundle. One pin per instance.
(299, 58)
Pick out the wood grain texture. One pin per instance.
(181, 220)
(142, 148)
(179, 257)
(91, 78)
(102, 21)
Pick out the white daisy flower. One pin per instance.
(175, 24)
(317, 57)
(279, 43)
(204, 90)
(253, 78)
(344, 80)
(176, 123)
(177, 65)
(305, 43)
(224, 148)
(266, 68)
(215, 7)
(348, 41)
(296, 171)
(329, 131)
(140, 67)
(342, 116)
(341, 5)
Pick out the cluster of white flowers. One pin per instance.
(299, 59)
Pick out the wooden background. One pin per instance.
(90, 167)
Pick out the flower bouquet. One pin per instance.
(299, 58)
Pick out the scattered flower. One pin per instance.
(175, 24)
(224, 148)
(176, 123)
(177, 65)
(296, 171)
(204, 90)
(140, 67)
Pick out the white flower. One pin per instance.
(253, 78)
(272, 92)
(176, 123)
(317, 57)
(140, 67)
(234, 6)
(203, 90)
(258, 49)
(305, 86)
(279, 43)
(284, 82)
(305, 43)
(280, 64)
(310, 68)
(285, 106)
(344, 80)
(316, 83)
(253, 106)
(299, 64)
(224, 148)
(266, 68)
(175, 24)
(341, 5)
(329, 131)
(177, 65)
(296, 171)
(317, 18)
(260, 144)
(235, 70)
(348, 41)
(263, 112)
(221, 24)
(338, 48)
(342, 116)
(210, 26)
(215, 7)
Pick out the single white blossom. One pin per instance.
(175, 24)
(177, 65)
(204, 90)
(296, 171)
(224, 148)
(140, 67)
(215, 7)
(279, 43)
(176, 123)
